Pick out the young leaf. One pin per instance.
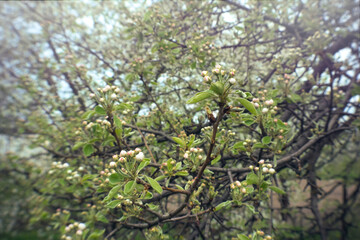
(201, 96)
(100, 217)
(113, 191)
(216, 159)
(277, 190)
(217, 87)
(129, 187)
(248, 105)
(154, 184)
(78, 145)
(251, 208)
(259, 145)
(97, 234)
(88, 149)
(113, 204)
(99, 110)
(222, 205)
(115, 178)
(160, 178)
(88, 114)
(266, 140)
(117, 122)
(179, 141)
(252, 178)
(182, 173)
(243, 237)
(143, 164)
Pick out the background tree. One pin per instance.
(180, 119)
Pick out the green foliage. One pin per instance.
(169, 119)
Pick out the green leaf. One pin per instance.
(201, 96)
(266, 140)
(97, 234)
(112, 192)
(99, 110)
(100, 217)
(178, 166)
(277, 190)
(191, 141)
(117, 122)
(215, 160)
(148, 195)
(129, 187)
(249, 122)
(118, 132)
(252, 178)
(242, 237)
(179, 187)
(259, 145)
(113, 204)
(116, 178)
(78, 145)
(160, 178)
(179, 141)
(222, 205)
(143, 164)
(88, 114)
(154, 184)
(182, 173)
(147, 16)
(88, 149)
(251, 208)
(217, 87)
(240, 146)
(248, 105)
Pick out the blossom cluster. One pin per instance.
(194, 152)
(218, 71)
(240, 186)
(59, 165)
(262, 235)
(77, 227)
(266, 105)
(113, 90)
(120, 159)
(265, 168)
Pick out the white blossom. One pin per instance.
(139, 156)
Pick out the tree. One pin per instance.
(180, 119)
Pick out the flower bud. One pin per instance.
(82, 226)
(207, 79)
(204, 73)
(92, 95)
(112, 164)
(122, 153)
(139, 156)
(264, 110)
(232, 81)
(262, 161)
(272, 171)
(265, 170)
